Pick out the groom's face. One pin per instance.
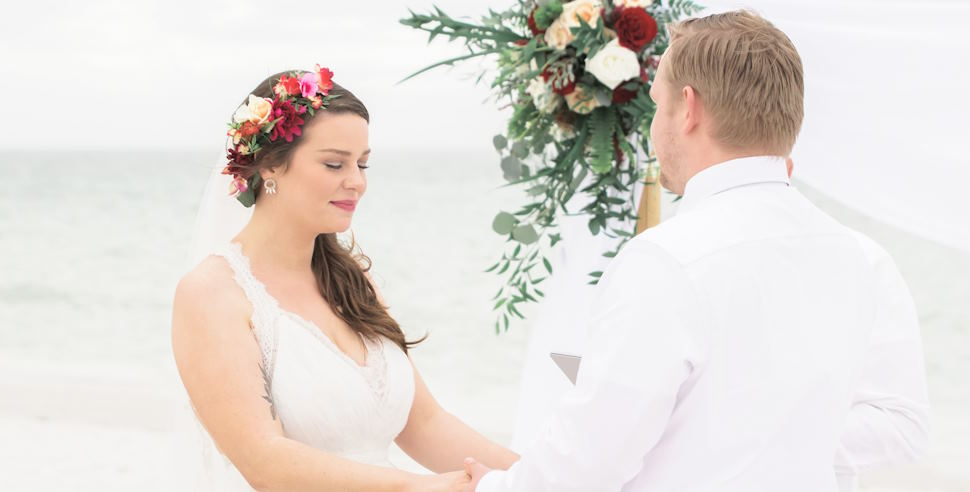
(663, 132)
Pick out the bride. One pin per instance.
(287, 352)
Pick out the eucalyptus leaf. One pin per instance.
(537, 190)
(512, 168)
(525, 234)
(500, 142)
(520, 149)
(504, 223)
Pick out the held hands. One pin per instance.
(476, 471)
(456, 481)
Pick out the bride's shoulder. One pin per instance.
(210, 288)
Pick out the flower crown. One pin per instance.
(261, 121)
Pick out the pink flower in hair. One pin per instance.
(238, 186)
(308, 85)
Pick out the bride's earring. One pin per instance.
(270, 186)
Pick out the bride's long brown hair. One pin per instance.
(340, 270)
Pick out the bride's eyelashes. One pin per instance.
(338, 165)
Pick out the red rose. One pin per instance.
(635, 28)
(289, 122)
(621, 95)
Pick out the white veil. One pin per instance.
(219, 219)
(196, 463)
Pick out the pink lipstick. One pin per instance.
(348, 205)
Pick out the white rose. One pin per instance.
(544, 99)
(614, 65)
(632, 3)
(242, 114)
(257, 110)
(559, 33)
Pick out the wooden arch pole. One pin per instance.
(648, 214)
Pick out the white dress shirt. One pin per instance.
(751, 343)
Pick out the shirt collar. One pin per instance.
(732, 174)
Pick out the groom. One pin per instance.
(751, 343)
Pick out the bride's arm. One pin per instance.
(439, 441)
(219, 362)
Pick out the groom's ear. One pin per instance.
(692, 109)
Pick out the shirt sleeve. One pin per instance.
(888, 421)
(641, 350)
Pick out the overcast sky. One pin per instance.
(886, 99)
(168, 74)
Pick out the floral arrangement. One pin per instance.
(577, 77)
(260, 121)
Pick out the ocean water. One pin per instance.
(93, 243)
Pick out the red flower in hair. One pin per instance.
(238, 164)
(287, 86)
(635, 28)
(326, 80)
(248, 129)
(288, 120)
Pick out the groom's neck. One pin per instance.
(711, 154)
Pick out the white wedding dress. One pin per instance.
(323, 398)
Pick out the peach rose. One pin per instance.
(257, 110)
(559, 33)
(587, 10)
(582, 100)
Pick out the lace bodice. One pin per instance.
(323, 397)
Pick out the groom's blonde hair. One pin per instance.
(748, 76)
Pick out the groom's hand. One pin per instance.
(475, 470)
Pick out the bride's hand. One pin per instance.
(446, 482)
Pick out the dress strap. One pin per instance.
(265, 307)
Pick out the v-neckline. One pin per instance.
(313, 328)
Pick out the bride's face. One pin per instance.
(326, 175)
